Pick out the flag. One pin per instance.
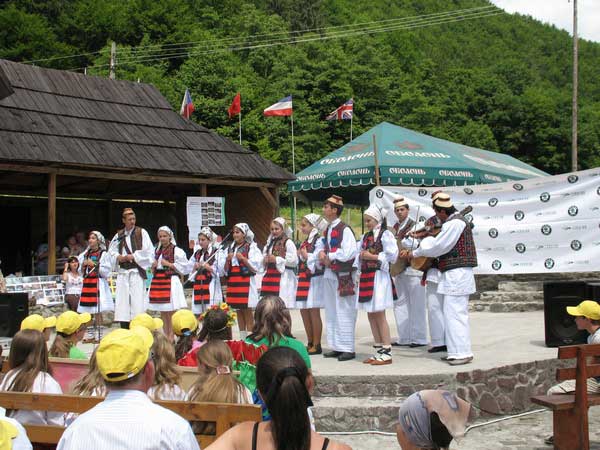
(187, 106)
(344, 112)
(282, 108)
(236, 106)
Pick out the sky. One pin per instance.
(560, 14)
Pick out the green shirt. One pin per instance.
(75, 353)
(285, 341)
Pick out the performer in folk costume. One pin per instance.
(166, 291)
(455, 249)
(410, 308)
(280, 259)
(309, 297)
(205, 272)
(377, 249)
(95, 265)
(241, 260)
(336, 253)
(132, 250)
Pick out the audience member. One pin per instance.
(216, 325)
(73, 282)
(70, 329)
(167, 376)
(127, 418)
(91, 385)
(13, 436)
(284, 382)
(430, 419)
(185, 325)
(147, 321)
(31, 373)
(39, 323)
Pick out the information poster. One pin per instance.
(204, 212)
(45, 290)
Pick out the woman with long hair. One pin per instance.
(90, 385)
(284, 383)
(70, 329)
(205, 272)
(167, 376)
(216, 325)
(31, 373)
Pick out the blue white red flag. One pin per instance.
(187, 106)
(282, 108)
(344, 112)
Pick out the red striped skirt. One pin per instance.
(366, 285)
(202, 288)
(304, 277)
(270, 282)
(90, 291)
(238, 288)
(160, 288)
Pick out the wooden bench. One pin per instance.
(223, 414)
(570, 411)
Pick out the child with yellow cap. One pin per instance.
(42, 324)
(147, 321)
(13, 436)
(185, 325)
(70, 329)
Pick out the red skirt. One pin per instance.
(90, 291)
(238, 288)
(160, 288)
(366, 285)
(202, 288)
(304, 277)
(270, 282)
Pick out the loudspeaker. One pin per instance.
(13, 309)
(560, 326)
(593, 291)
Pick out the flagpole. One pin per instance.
(240, 124)
(294, 172)
(351, 126)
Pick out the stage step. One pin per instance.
(500, 307)
(520, 286)
(522, 298)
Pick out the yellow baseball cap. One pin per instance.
(70, 321)
(146, 320)
(7, 432)
(37, 322)
(586, 308)
(184, 320)
(122, 354)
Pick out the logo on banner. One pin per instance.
(469, 191)
(573, 210)
(520, 248)
(379, 193)
(573, 178)
(545, 196)
(422, 192)
(518, 187)
(422, 219)
(493, 233)
(576, 245)
(519, 215)
(546, 229)
(549, 263)
(493, 202)
(496, 264)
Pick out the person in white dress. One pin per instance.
(280, 259)
(241, 260)
(310, 279)
(205, 272)
(377, 249)
(166, 291)
(131, 249)
(95, 265)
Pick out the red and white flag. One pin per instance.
(187, 106)
(236, 106)
(282, 108)
(344, 112)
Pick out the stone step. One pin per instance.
(511, 296)
(520, 286)
(356, 413)
(505, 306)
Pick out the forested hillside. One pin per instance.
(501, 82)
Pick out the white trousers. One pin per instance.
(458, 335)
(340, 317)
(410, 310)
(130, 295)
(435, 310)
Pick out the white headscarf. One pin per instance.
(287, 230)
(101, 241)
(375, 212)
(245, 228)
(167, 230)
(210, 235)
(316, 221)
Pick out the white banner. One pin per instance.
(546, 224)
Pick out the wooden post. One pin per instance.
(113, 60)
(376, 161)
(203, 190)
(51, 223)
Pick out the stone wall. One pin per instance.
(490, 282)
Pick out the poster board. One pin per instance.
(204, 212)
(44, 289)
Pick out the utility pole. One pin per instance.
(575, 82)
(113, 60)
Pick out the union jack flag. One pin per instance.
(344, 112)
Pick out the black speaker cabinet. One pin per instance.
(13, 309)
(593, 291)
(560, 326)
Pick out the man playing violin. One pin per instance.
(455, 249)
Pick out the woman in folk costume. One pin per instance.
(280, 259)
(205, 272)
(376, 251)
(95, 265)
(166, 291)
(242, 259)
(308, 295)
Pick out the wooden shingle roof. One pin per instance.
(72, 120)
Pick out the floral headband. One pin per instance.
(231, 315)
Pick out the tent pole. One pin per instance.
(362, 222)
(377, 183)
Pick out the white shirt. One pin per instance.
(21, 441)
(128, 419)
(43, 384)
(346, 249)
(144, 256)
(167, 393)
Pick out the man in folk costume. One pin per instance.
(205, 272)
(455, 249)
(132, 250)
(336, 253)
(410, 308)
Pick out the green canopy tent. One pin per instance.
(405, 158)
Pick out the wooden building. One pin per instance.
(76, 149)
